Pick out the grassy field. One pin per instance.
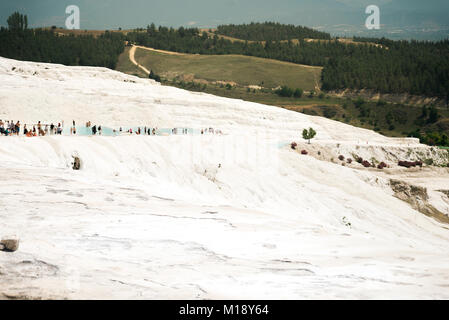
(236, 69)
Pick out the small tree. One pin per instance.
(308, 134)
(284, 91)
(298, 93)
(359, 102)
(433, 115)
(154, 76)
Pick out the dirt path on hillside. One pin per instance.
(132, 54)
(161, 51)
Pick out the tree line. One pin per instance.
(39, 45)
(270, 31)
(415, 67)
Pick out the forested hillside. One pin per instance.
(270, 31)
(19, 42)
(420, 68)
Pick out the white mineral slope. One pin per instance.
(36, 91)
(155, 217)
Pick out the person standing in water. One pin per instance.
(17, 128)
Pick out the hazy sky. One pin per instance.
(111, 14)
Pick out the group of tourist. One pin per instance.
(210, 131)
(139, 131)
(11, 128)
(95, 129)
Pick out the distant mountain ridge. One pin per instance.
(399, 18)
